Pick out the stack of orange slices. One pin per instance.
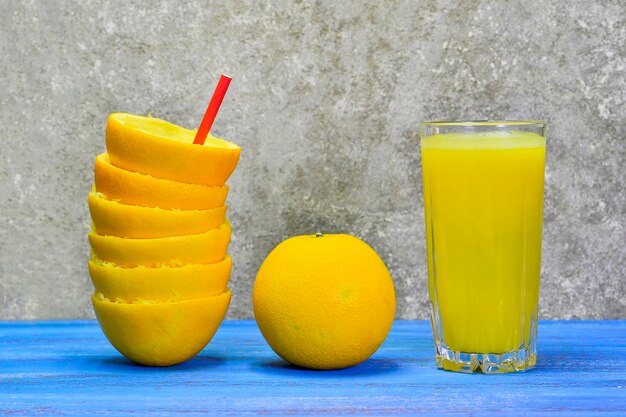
(159, 239)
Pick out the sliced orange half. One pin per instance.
(201, 248)
(155, 147)
(164, 284)
(160, 334)
(133, 188)
(123, 220)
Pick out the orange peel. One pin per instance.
(123, 220)
(133, 188)
(155, 147)
(201, 248)
(160, 334)
(164, 284)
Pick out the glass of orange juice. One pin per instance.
(483, 201)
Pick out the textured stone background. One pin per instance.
(325, 102)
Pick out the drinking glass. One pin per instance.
(483, 201)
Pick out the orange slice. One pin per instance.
(155, 147)
(201, 248)
(144, 190)
(160, 334)
(123, 220)
(163, 284)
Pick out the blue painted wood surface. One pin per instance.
(68, 368)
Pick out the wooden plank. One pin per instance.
(68, 368)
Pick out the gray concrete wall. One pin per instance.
(326, 100)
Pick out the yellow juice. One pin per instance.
(483, 199)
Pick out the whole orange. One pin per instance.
(324, 301)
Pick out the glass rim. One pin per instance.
(486, 122)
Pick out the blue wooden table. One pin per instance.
(68, 368)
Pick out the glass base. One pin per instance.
(487, 363)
